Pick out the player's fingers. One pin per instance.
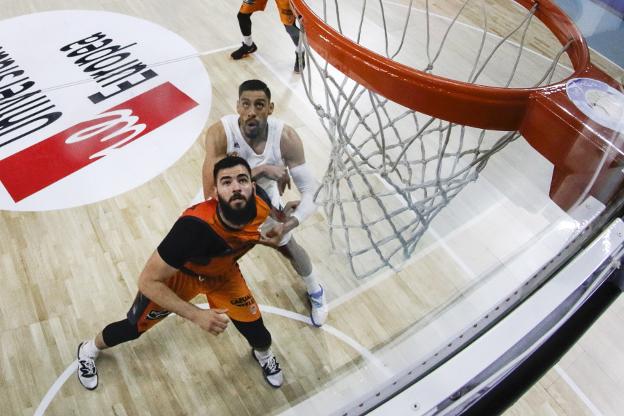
(220, 310)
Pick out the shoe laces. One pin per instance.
(272, 366)
(87, 367)
(316, 299)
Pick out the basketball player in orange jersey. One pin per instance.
(288, 19)
(273, 150)
(199, 256)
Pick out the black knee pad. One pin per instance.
(244, 22)
(120, 331)
(255, 332)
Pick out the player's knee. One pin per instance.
(255, 333)
(286, 251)
(293, 251)
(120, 331)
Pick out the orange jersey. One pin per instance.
(238, 241)
(205, 251)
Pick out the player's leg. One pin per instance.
(244, 23)
(288, 20)
(302, 264)
(143, 315)
(234, 295)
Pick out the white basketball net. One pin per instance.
(391, 170)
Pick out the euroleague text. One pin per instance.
(108, 64)
(23, 108)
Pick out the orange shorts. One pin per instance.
(286, 15)
(226, 291)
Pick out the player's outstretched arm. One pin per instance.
(294, 157)
(215, 145)
(152, 283)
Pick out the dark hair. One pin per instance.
(254, 85)
(228, 162)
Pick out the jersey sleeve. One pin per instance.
(189, 238)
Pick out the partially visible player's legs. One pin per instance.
(244, 23)
(233, 294)
(259, 339)
(303, 266)
(88, 351)
(143, 315)
(293, 32)
(288, 20)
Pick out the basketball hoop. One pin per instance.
(407, 135)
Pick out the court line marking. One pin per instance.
(51, 393)
(370, 357)
(438, 243)
(579, 392)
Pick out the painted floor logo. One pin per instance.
(92, 109)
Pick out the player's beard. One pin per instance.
(239, 216)
(258, 129)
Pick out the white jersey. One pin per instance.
(272, 154)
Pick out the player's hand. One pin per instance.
(212, 320)
(273, 236)
(290, 207)
(283, 183)
(274, 172)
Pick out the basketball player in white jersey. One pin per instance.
(273, 150)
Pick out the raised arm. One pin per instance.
(215, 145)
(152, 283)
(294, 157)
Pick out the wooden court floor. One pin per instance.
(67, 273)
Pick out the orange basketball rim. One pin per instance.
(587, 156)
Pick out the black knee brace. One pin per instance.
(255, 332)
(244, 22)
(120, 331)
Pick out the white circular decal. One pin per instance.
(92, 104)
(598, 101)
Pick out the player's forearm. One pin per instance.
(290, 224)
(161, 294)
(306, 185)
(258, 171)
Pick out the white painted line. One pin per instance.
(279, 76)
(47, 399)
(333, 331)
(370, 357)
(590, 405)
(419, 255)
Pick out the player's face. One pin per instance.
(236, 191)
(254, 109)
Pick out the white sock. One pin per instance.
(299, 48)
(311, 283)
(90, 349)
(262, 356)
(247, 40)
